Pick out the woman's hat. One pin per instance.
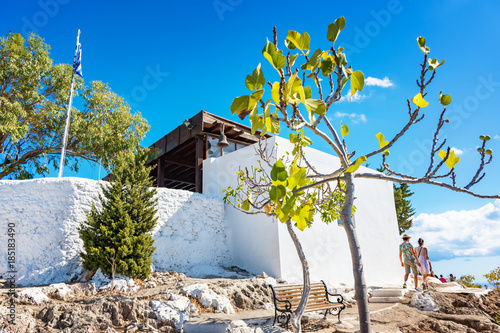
(405, 236)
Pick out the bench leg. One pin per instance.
(281, 318)
(329, 311)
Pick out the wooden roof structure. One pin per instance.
(179, 163)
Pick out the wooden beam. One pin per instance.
(169, 159)
(237, 133)
(181, 174)
(211, 126)
(160, 173)
(178, 181)
(185, 146)
(187, 187)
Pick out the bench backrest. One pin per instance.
(293, 293)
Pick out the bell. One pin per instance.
(222, 141)
(210, 150)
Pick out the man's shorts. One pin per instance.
(411, 263)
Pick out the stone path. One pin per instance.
(217, 322)
(387, 295)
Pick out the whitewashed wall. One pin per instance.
(261, 243)
(255, 238)
(47, 213)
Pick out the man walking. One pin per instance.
(410, 260)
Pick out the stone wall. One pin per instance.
(47, 212)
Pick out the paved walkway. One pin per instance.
(217, 322)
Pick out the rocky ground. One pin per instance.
(167, 302)
(454, 312)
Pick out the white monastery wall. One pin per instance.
(47, 213)
(325, 246)
(255, 243)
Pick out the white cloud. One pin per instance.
(358, 97)
(457, 151)
(354, 117)
(369, 81)
(460, 233)
(496, 137)
(373, 81)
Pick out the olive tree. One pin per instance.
(308, 83)
(33, 97)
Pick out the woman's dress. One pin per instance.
(422, 258)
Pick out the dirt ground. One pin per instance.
(88, 311)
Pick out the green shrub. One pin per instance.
(468, 280)
(117, 238)
(493, 278)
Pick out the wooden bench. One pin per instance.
(287, 298)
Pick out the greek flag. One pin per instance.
(78, 62)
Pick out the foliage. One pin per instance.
(33, 100)
(278, 193)
(468, 281)
(404, 210)
(300, 100)
(117, 237)
(493, 278)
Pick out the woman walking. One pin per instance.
(425, 264)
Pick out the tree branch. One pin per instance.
(423, 181)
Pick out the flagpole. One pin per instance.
(68, 112)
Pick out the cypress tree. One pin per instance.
(404, 210)
(117, 238)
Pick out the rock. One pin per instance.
(33, 296)
(83, 289)
(86, 276)
(239, 326)
(60, 291)
(424, 302)
(268, 306)
(131, 328)
(263, 275)
(194, 289)
(25, 321)
(127, 310)
(270, 281)
(179, 303)
(125, 285)
(167, 315)
(238, 300)
(209, 299)
(110, 330)
(193, 309)
(167, 329)
(150, 284)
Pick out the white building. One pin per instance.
(262, 243)
(196, 231)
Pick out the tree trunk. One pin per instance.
(357, 263)
(113, 270)
(297, 314)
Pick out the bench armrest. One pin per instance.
(340, 298)
(288, 304)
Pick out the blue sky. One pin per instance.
(171, 59)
